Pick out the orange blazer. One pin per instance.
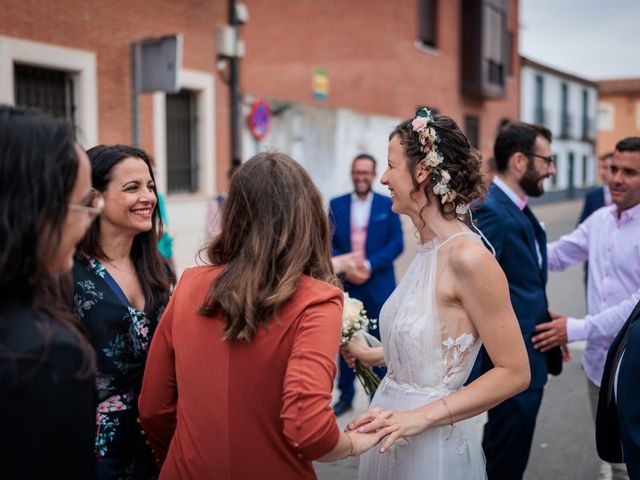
(236, 410)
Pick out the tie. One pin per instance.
(541, 236)
(523, 203)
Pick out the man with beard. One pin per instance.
(523, 159)
(367, 239)
(610, 240)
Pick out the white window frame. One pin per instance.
(202, 84)
(79, 63)
(611, 112)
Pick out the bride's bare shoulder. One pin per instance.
(471, 257)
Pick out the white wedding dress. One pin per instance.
(426, 360)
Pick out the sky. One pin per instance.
(590, 38)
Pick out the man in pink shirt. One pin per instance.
(610, 240)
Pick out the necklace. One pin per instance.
(120, 269)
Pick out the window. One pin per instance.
(45, 89)
(565, 118)
(182, 155)
(571, 173)
(585, 170)
(586, 124)
(74, 69)
(472, 129)
(606, 116)
(539, 112)
(486, 46)
(428, 23)
(495, 37)
(509, 53)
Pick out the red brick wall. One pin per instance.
(368, 50)
(624, 121)
(107, 28)
(367, 47)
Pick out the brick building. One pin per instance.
(379, 59)
(618, 112)
(72, 57)
(382, 60)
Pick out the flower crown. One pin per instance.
(433, 160)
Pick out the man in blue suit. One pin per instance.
(618, 419)
(523, 161)
(600, 196)
(367, 239)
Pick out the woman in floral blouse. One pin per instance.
(121, 286)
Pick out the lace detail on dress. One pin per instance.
(454, 358)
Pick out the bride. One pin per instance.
(453, 298)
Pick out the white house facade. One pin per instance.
(567, 105)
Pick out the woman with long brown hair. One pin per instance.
(121, 286)
(248, 343)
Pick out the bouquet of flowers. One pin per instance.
(355, 322)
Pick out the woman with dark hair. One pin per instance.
(47, 368)
(453, 298)
(121, 286)
(253, 366)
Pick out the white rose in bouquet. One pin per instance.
(355, 322)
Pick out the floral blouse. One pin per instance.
(120, 335)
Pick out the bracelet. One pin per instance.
(448, 410)
(450, 416)
(350, 454)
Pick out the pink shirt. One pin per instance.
(612, 247)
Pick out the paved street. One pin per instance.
(564, 446)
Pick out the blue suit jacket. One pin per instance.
(513, 233)
(384, 244)
(592, 202)
(618, 420)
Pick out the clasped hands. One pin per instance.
(388, 425)
(352, 265)
(552, 334)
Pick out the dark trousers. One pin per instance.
(508, 435)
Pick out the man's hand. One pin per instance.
(358, 275)
(344, 262)
(551, 334)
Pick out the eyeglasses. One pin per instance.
(94, 207)
(551, 159)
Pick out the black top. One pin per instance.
(47, 410)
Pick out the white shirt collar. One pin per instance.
(355, 198)
(507, 191)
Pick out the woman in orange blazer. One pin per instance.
(240, 372)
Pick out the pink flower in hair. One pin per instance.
(419, 124)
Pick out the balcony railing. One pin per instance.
(566, 124)
(541, 116)
(588, 129)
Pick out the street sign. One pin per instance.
(259, 119)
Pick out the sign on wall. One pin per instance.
(259, 119)
(320, 84)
